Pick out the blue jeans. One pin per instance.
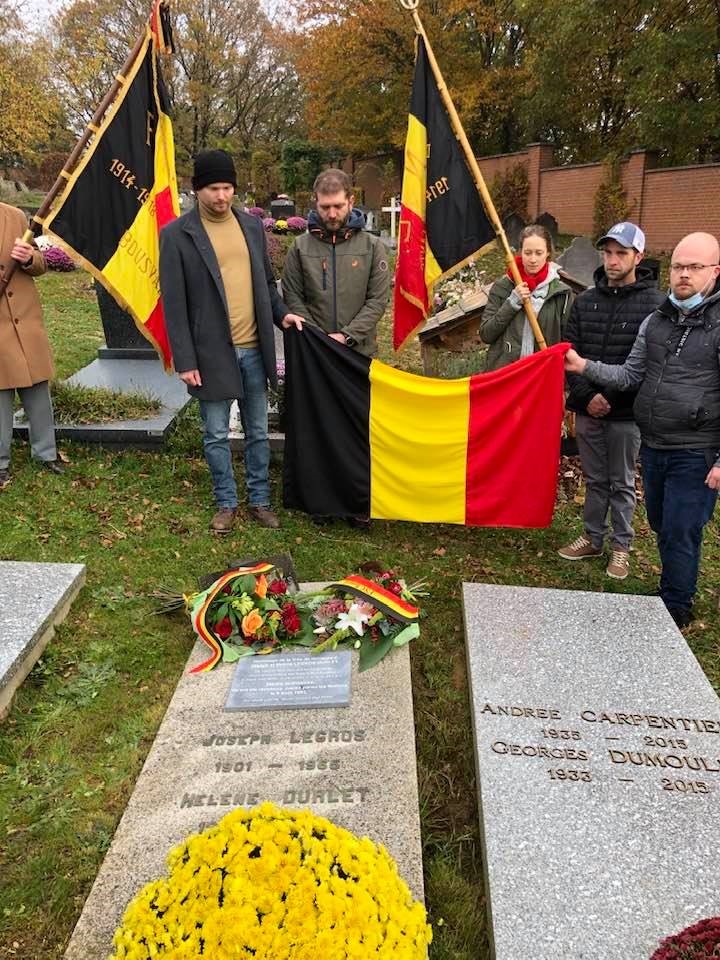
(254, 416)
(678, 504)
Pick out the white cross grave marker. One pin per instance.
(393, 209)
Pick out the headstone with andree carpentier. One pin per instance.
(597, 743)
(354, 765)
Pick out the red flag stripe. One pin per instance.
(514, 442)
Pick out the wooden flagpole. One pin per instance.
(77, 152)
(472, 163)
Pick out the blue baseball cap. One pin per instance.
(627, 235)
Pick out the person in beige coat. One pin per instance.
(25, 358)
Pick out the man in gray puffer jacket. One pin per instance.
(675, 363)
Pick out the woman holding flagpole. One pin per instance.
(504, 325)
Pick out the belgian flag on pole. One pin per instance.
(124, 190)
(443, 223)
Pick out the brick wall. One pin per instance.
(678, 201)
(667, 203)
(568, 193)
(501, 163)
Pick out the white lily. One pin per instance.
(353, 619)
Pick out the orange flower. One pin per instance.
(251, 623)
(261, 586)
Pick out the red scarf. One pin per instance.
(531, 279)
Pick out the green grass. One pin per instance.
(83, 721)
(73, 403)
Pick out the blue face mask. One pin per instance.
(689, 303)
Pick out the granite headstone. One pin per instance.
(597, 741)
(355, 765)
(513, 225)
(581, 260)
(34, 598)
(548, 221)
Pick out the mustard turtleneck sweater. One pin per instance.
(233, 256)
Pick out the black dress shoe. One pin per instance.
(321, 520)
(360, 523)
(54, 466)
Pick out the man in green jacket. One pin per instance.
(336, 275)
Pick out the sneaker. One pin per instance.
(265, 517)
(619, 566)
(580, 549)
(224, 520)
(4, 478)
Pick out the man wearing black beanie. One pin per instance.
(220, 302)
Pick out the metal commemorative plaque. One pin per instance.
(287, 681)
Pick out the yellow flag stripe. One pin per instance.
(418, 446)
(415, 173)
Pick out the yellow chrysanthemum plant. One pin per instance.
(275, 884)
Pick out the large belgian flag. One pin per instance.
(122, 193)
(364, 439)
(443, 223)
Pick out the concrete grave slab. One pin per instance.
(597, 740)
(355, 765)
(125, 376)
(34, 598)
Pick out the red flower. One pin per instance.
(223, 628)
(290, 618)
(277, 587)
(395, 588)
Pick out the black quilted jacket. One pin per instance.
(603, 324)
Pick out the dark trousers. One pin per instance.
(678, 504)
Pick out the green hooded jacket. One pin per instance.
(340, 282)
(503, 322)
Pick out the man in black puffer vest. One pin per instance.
(604, 322)
(675, 363)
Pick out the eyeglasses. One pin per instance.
(691, 267)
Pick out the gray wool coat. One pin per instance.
(195, 306)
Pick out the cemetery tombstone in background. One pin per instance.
(548, 221)
(513, 225)
(123, 340)
(581, 260)
(282, 208)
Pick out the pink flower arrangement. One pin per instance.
(268, 222)
(256, 212)
(297, 224)
(57, 259)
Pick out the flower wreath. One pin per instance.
(251, 610)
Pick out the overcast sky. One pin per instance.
(36, 12)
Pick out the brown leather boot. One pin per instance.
(224, 520)
(264, 516)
